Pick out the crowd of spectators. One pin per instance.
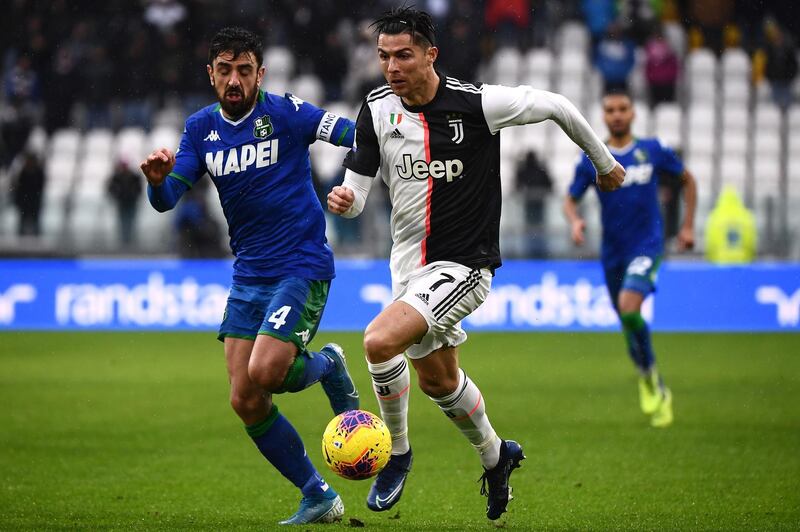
(111, 64)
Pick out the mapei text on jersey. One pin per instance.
(240, 159)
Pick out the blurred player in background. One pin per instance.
(255, 145)
(633, 238)
(433, 140)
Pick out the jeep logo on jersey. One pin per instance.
(421, 170)
(262, 127)
(239, 159)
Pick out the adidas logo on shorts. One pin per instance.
(397, 135)
(424, 297)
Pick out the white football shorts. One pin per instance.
(444, 293)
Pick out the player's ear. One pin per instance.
(433, 53)
(260, 75)
(210, 74)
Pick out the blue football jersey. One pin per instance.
(631, 217)
(261, 168)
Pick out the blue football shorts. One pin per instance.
(638, 275)
(289, 309)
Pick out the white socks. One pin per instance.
(391, 381)
(465, 408)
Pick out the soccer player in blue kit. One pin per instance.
(254, 145)
(633, 238)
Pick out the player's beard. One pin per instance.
(237, 109)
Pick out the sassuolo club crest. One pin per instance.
(262, 127)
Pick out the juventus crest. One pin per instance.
(457, 125)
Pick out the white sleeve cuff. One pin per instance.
(360, 185)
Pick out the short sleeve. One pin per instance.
(304, 117)
(668, 160)
(189, 166)
(585, 175)
(365, 157)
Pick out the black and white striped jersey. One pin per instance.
(441, 162)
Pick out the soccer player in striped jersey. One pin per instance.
(254, 146)
(633, 238)
(434, 141)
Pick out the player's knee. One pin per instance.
(246, 404)
(437, 385)
(627, 307)
(378, 346)
(267, 376)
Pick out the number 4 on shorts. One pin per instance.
(279, 316)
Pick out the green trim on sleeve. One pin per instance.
(341, 137)
(179, 177)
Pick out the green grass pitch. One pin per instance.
(134, 431)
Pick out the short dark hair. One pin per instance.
(617, 92)
(237, 41)
(403, 19)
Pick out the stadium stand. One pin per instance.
(724, 123)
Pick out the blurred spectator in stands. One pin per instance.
(137, 81)
(64, 80)
(639, 17)
(198, 233)
(96, 87)
(172, 63)
(125, 188)
(364, 73)
(332, 70)
(534, 184)
(598, 15)
(27, 189)
(462, 50)
(22, 94)
(730, 231)
(661, 68)
(509, 21)
(781, 63)
(712, 16)
(614, 58)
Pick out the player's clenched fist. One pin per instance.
(157, 166)
(340, 199)
(612, 180)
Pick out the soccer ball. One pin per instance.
(356, 444)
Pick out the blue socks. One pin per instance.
(637, 334)
(306, 369)
(279, 442)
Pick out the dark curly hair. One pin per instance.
(404, 19)
(237, 41)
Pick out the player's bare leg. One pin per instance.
(655, 398)
(256, 369)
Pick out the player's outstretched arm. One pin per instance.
(162, 192)
(686, 232)
(511, 106)
(576, 223)
(348, 199)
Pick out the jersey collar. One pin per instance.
(625, 149)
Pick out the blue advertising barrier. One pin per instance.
(525, 296)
